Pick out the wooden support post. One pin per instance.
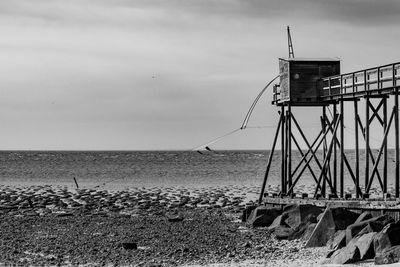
(286, 152)
(357, 155)
(269, 161)
(342, 148)
(289, 145)
(396, 124)
(76, 183)
(367, 150)
(335, 154)
(385, 150)
(323, 124)
(283, 157)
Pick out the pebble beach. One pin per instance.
(54, 225)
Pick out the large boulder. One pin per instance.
(388, 256)
(305, 228)
(174, 217)
(337, 241)
(279, 221)
(343, 217)
(308, 232)
(375, 224)
(247, 211)
(294, 215)
(366, 215)
(348, 254)
(332, 220)
(365, 245)
(388, 237)
(283, 232)
(323, 231)
(263, 216)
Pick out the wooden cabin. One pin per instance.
(301, 80)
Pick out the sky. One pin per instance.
(169, 74)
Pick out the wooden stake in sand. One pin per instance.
(76, 183)
(30, 203)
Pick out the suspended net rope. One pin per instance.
(248, 115)
(216, 139)
(245, 121)
(261, 127)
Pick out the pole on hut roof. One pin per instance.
(290, 44)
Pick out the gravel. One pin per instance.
(58, 227)
(204, 236)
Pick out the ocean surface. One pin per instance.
(124, 169)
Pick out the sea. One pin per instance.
(126, 169)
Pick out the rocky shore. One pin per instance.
(46, 225)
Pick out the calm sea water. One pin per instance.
(146, 168)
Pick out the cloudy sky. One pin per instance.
(168, 74)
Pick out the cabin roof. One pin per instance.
(310, 59)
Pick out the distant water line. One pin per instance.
(150, 168)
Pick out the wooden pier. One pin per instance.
(318, 83)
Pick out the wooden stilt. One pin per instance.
(289, 146)
(334, 155)
(342, 156)
(385, 150)
(323, 122)
(356, 151)
(396, 123)
(367, 150)
(283, 158)
(286, 152)
(271, 154)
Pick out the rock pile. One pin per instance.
(132, 200)
(350, 236)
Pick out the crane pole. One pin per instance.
(290, 44)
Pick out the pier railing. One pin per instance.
(361, 82)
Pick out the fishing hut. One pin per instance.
(319, 83)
